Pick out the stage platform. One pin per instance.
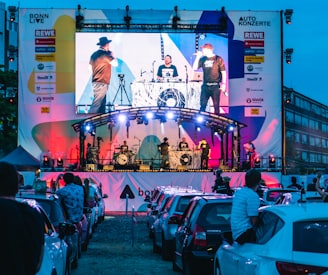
(139, 184)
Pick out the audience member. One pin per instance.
(22, 229)
(244, 213)
(294, 184)
(72, 198)
(322, 193)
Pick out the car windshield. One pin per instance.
(311, 236)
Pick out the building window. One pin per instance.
(304, 139)
(289, 116)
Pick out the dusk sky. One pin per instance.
(307, 35)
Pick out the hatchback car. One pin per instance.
(52, 206)
(204, 224)
(55, 256)
(291, 239)
(166, 224)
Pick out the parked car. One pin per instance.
(204, 224)
(56, 251)
(159, 203)
(52, 206)
(166, 224)
(291, 239)
(96, 191)
(271, 195)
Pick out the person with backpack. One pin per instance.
(214, 76)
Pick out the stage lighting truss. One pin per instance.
(142, 115)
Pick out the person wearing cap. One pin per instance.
(164, 150)
(244, 212)
(214, 76)
(167, 70)
(101, 62)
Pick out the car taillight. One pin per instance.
(174, 219)
(299, 269)
(199, 236)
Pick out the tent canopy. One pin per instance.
(22, 159)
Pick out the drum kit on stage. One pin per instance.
(125, 158)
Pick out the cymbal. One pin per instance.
(117, 148)
(135, 145)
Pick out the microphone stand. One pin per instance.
(153, 80)
(139, 141)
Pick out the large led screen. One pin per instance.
(134, 81)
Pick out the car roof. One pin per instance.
(299, 211)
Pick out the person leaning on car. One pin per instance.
(318, 188)
(21, 230)
(244, 213)
(72, 198)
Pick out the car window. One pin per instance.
(310, 236)
(216, 214)
(182, 203)
(268, 226)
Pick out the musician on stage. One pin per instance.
(183, 145)
(250, 152)
(124, 148)
(206, 151)
(164, 150)
(167, 70)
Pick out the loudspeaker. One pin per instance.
(182, 168)
(144, 167)
(108, 167)
(91, 167)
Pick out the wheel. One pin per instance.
(156, 249)
(217, 269)
(174, 265)
(166, 252)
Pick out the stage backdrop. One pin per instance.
(55, 91)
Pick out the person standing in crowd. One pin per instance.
(22, 229)
(294, 184)
(164, 150)
(205, 153)
(323, 194)
(167, 70)
(101, 62)
(244, 212)
(214, 76)
(72, 198)
(183, 145)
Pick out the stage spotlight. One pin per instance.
(88, 127)
(163, 120)
(46, 161)
(170, 115)
(145, 121)
(198, 128)
(230, 128)
(122, 118)
(200, 119)
(60, 162)
(12, 13)
(288, 55)
(257, 162)
(272, 161)
(149, 115)
(288, 16)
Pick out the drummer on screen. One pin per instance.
(183, 145)
(167, 71)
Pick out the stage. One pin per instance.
(141, 183)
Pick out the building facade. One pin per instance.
(306, 133)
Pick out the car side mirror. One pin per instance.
(66, 229)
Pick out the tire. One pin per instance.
(217, 269)
(174, 265)
(166, 249)
(156, 249)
